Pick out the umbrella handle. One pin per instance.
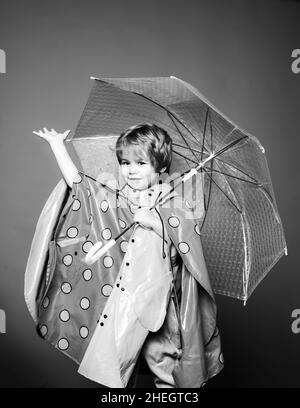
(97, 251)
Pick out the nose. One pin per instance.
(133, 168)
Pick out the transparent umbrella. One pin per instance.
(231, 193)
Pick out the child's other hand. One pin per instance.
(51, 136)
(146, 218)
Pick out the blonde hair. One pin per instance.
(147, 139)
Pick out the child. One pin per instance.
(156, 303)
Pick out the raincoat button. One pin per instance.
(105, 316)
(127, 263)
(101, 324)
(132, 240)
(122, 289)
(118, 285)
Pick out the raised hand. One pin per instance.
(64, 161)
(51, 136)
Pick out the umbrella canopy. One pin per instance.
(232, 195)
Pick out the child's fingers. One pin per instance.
(66, 133)
(50, 132)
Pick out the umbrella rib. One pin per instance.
(270, 198)
(211, 133)
(204, 133)
(210, 183)
(207, 152)
(170, 116)
(266, 192)
(236, 168)
(188, 147)
(186, 158)
(222, 191)
(230, 145)
(236, 177)
(208, 201)
(217, 158)
(218, 152)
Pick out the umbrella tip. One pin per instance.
(285, 250)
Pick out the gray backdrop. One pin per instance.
(238, 54)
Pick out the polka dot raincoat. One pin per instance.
(100, 315)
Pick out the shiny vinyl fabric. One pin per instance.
(69, 300)
(242, 233)
(136, 305)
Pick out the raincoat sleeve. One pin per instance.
(42, 251)
(38, 254)
(64, 295)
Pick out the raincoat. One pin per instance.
(100, 315)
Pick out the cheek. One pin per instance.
(151, 174)
(124, 171)
(145, 172)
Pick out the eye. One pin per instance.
(124, 163)
(141, 163)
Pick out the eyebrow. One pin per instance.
(138, 159)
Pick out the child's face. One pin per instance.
(137, 170)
